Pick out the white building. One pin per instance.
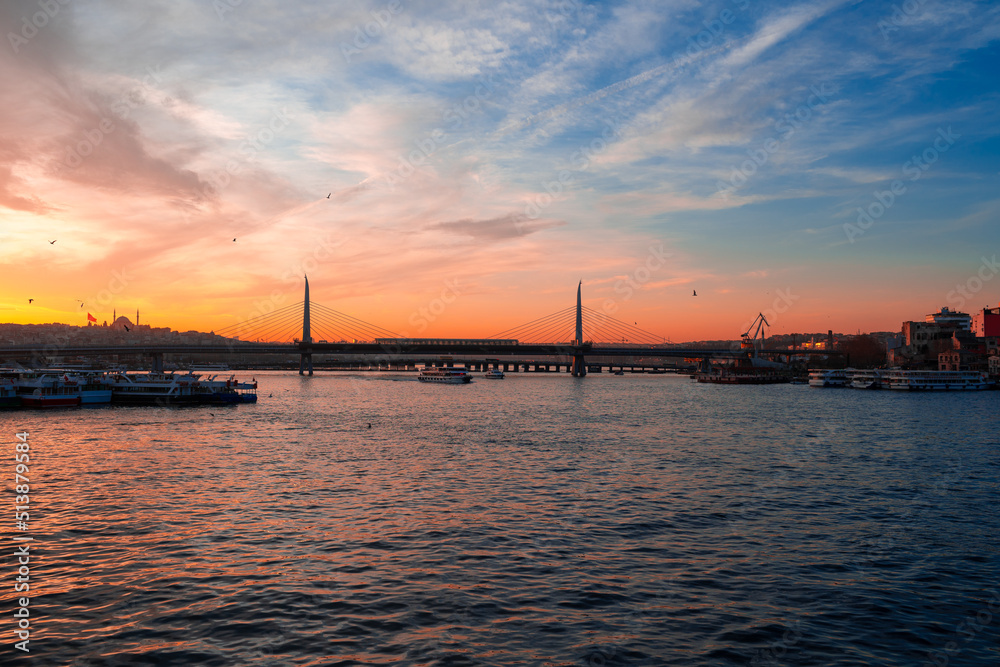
(948, 317)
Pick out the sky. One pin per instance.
(446, 168)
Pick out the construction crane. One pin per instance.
(750, 342)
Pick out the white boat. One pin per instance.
(494, 374)
(870, 379)
(154, 388)
(829, 378)
(935, 380)
(448, 375)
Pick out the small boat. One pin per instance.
(619, 372)
(493, 374)
(447, 375)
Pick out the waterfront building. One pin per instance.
(950, 318)
(986, 323)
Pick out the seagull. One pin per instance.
(234, 240)
(51, 242)
(126, 328)
(30, 300)
(694, 292)
(328, 196)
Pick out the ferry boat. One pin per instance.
(494, 374)
(742, 376)
(829, 378)
(870, 379)
(208, 368)
(8, 394)
(94, 387)
(46, 390)
(154, 389)
(224, 392)
(935, 380)
(449, 375)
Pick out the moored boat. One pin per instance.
(154, 389)
(742, 376)
(8, 394)
(47, 390)
(94, 387)
(446, 375)
(494, 374)
(225, 392)
(866, 379)
(829, 378)
(935, 380)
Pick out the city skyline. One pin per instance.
(692, 163)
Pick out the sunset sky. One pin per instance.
(833, 164)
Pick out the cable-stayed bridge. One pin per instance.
(307, 328)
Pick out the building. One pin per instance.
(961, 359)
(986, 324)
(950, 318)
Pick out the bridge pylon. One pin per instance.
(579, 369)
(306, 359)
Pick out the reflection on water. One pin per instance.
(538, 520)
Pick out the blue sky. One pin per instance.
(647, 148)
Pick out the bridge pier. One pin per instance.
(306, 362)
(157, 364)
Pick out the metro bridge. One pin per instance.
(356, 337)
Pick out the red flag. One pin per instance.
(91, 318)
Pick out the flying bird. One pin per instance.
(328, 196)
(51, 242)
(30, 300)
(234, 240)
(694, 292)
(126, 328)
